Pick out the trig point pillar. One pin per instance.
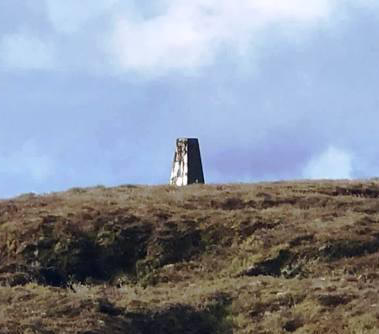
(187, 167)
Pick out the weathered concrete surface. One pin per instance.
(187, 167)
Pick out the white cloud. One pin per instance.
(188, 34)
(332, 164)
(28, 161)
(157, 38)
(23, 51)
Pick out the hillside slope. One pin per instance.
(300, 257)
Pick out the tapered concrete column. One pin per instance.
(187, 167)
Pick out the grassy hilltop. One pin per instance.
(288, 257)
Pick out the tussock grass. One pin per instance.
(282, 257)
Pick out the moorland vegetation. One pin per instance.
(282, 257)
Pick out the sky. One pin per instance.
(96, 92)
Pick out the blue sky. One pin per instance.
(96, 92)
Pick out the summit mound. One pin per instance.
(299, 257)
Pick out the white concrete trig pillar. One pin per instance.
(187, 167)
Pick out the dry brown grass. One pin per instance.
(283, 257)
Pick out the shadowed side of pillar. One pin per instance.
(195, 167)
